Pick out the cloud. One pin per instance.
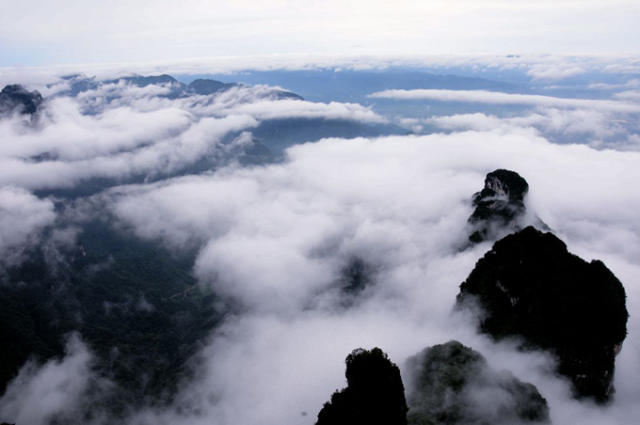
(23, 216)
(634, 82)
(554, 72)
(588, 126)
(266, 110)
(629, 95)
(500, 98)
(54, 391)
(164, 155)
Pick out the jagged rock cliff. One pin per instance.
(499, 207)
(453, 384)
(530, 286)
(374, 393)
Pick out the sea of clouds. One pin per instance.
(275, 238)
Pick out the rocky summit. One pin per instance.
(530, 286)
(15, 98)
(499, 206)
(374, 394)
(451, 383)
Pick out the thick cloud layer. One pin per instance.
(500, 98)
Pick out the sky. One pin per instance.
(41, 32)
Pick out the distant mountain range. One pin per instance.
(202, 86)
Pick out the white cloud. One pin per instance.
(54, 391)
(164, 155)
(630, 95)
(266, 110)
(588, 126)
(554, 72)
(634, 82)
(500, 98)
(22, 218)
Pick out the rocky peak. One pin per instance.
(505, 183)
(146, 80)
(15, 97)
(374, 394)
(207, 86)
(530, 286)
(499, 207)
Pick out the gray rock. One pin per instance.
(453, 384)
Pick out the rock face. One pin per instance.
(499, 206)
(530, 286)
(374, 393)
(207, 86)
(453, 384)
(14, 97)
(146, 80)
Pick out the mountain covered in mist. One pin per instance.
(270, 135)
(134, 303)
(450, 383)
(189, 250)
(527, 287)
(173, 88)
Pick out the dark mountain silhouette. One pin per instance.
(143, 81)
(206, 86)
(374, 394)
(15, 98)
(531, 287)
